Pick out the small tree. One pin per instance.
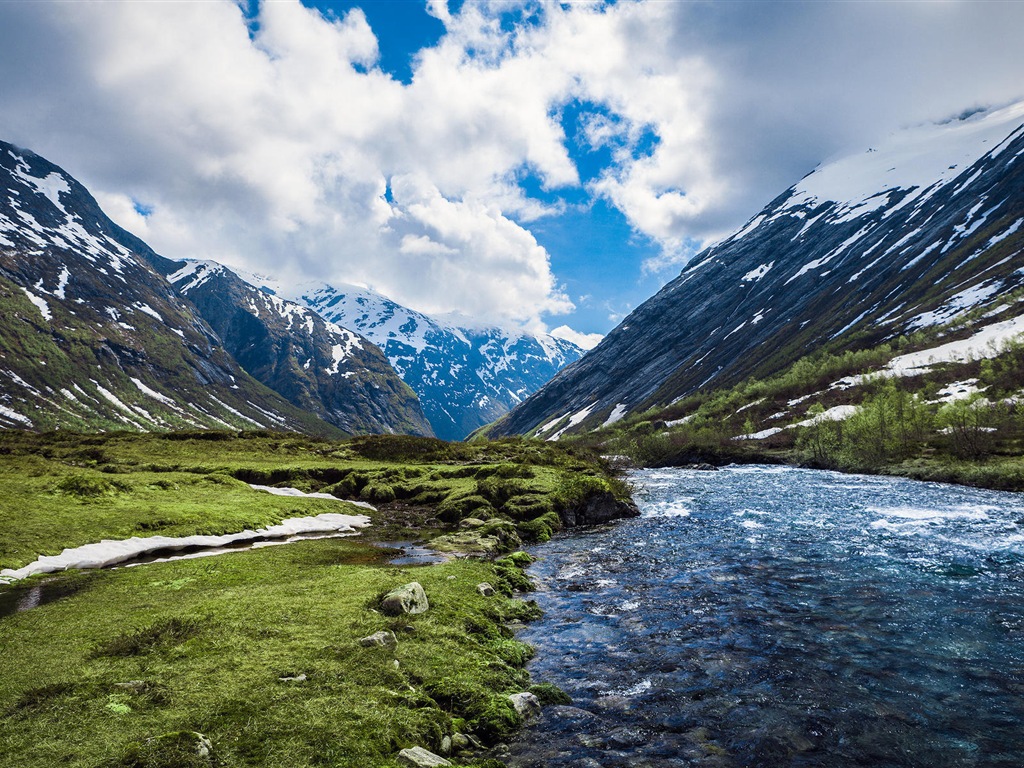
(971, 425)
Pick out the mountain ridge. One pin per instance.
(316, 365)
(904, 251)
(465, 376)
(92, 338)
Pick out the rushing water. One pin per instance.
(763, 616)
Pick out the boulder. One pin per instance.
(485, 589)
(418, 757)
(598, 508)
(406, 599)
(383, 639)
(525, 704)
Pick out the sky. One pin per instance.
(546, 166)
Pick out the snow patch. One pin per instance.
(758, 272)
(108, 552)
(617, 413)
(40, 303)
(575, 419)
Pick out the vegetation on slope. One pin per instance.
(952, 421)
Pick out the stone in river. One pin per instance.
(526, 705)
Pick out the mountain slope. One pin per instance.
(465, 377)
(317, 365)
(92, 338)
(860, 251)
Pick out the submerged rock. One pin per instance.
(598, 508)
(418, 757)
(409, 598)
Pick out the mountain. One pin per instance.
(317, 365)
(465, 376)
(92, 338)
(916, 232)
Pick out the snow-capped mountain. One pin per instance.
(92, 338)
(465, 376)
(317, 365)
(919, 230)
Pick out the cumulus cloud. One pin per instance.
(581, 340)
(281, 146)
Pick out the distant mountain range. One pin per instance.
(923, 229)
(100, 332)
(466, 376)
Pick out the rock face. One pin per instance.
(406, 599)
(912, 233)
(465, 376)
(318, 366)
(91, 337)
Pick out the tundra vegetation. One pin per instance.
(258, 651)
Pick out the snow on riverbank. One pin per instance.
(108, 552)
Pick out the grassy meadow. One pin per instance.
(258, 650)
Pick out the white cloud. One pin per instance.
(581, 340)
(286, 150)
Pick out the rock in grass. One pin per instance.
(460, 741)
(134, 686)
(383, 639)
(526, 704)
(182, 749)
(418, 757)
(485, 589)
(406, 599)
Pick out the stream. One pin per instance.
(768, 616)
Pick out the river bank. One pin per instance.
(269, 653)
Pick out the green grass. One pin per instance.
(211, 638)
(64, 490)
(128, 663)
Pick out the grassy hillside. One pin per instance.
(857, 409)
(258, 651)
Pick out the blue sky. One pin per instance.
(541, 165)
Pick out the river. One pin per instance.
(767, 616)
